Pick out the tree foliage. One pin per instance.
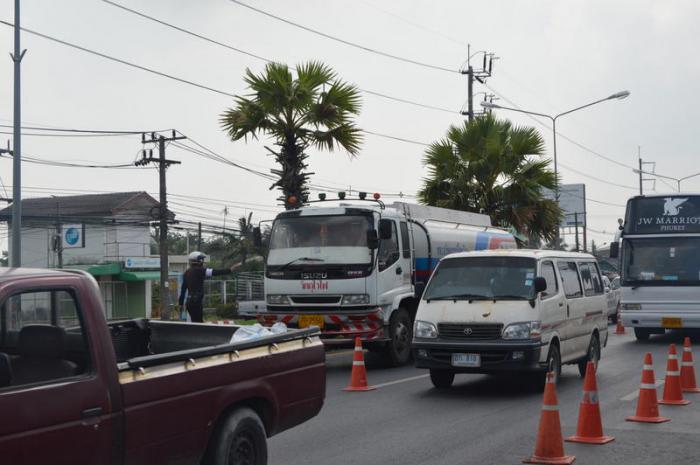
(492, 167)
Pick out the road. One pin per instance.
(487, 420)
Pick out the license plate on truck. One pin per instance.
(311, 320)
(466, 360)
(671, 322)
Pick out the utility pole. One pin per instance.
(199, 236)
(16, 257)
(163, 165)
(576, 230)
(641, 170)
(475, 74)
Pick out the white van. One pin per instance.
(510, 311)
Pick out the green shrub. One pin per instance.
(229, 310)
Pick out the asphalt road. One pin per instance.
(488, 420)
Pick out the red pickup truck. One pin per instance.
(76, 390)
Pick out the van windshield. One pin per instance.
(483, 278)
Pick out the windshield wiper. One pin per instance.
(300, 259)
(455, 297)
(509, 297)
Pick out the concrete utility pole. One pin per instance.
(16, 256)
(476, 74)
(642, 172)
(163, 165)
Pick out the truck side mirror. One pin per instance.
(614, 250)
(385, 229)
(540, 284)
(372, 239)
(257, 237)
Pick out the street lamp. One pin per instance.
(678, 180)
(616, 96)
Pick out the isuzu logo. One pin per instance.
(317, 275)
(468, 331)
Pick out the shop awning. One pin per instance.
(107, 269)
(139, 276)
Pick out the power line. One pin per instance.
(92, 131)
(596, 178)
(43, 161)
(347, 42)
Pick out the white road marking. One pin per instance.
(339, 353)
(399, 381)
(635, 394)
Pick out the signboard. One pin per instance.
(141, 262)
(72, 236)
(662, 215)
(572, 201)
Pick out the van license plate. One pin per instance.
(311, 320)
(466, 360)
(671, 323)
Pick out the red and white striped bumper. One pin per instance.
(340, 328)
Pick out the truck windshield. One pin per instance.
(661, 261)
(330, 239)
(482, 278)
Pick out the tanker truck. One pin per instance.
(358, 269)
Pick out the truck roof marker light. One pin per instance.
(341, 195)
(363, 195)
(377, 196)
(322, 196)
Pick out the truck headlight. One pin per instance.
(631, 306)
(277, 299)
(424, 330)
(525, 330)
(355, 299)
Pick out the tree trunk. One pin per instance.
(293, 178)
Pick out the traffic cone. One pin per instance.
(688, 383)
(673, 394)
(619, 329)
(647, 405)
(358, 378)
(590, 425)
(549, 448)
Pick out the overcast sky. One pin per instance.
(554, 56)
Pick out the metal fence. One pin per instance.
(245, 287)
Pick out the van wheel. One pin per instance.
(241, 440)
(593, 355)
(642, 334)
(397, 351)
(553, 362)
(442, 379)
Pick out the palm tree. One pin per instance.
(315, 109)
(489, 166)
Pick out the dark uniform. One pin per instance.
(193, 286)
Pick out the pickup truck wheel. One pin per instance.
(642, 334)
(592, 355)
(442, 379)
(397, 351)
(241, 440)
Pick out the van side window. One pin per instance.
(550, 276)
(597, 281)
(570, 279)
(405, 240)
(44, 338)
(388, 249)
(587, 278)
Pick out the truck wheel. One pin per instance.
(241, 440)
(397, 351)
(442, 379)
(592, 355)
(642, 334)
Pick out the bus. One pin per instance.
(659, 252)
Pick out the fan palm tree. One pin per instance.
(489, 166)
(315, 109)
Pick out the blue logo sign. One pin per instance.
(72, 236)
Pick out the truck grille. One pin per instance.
(315, 299)
(467, 331)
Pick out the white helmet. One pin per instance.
(196, 257)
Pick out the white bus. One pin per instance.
(660, 263)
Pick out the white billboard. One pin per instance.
(572, 201)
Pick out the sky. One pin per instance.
(552, 56)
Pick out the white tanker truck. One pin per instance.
(359, 269)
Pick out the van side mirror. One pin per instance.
(372, 239)
(257, 237)
(614, 250)
(540, 284)
(385, 229)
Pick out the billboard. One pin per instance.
(72, 236)
(663, 215)
(572, 201)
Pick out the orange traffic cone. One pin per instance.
(590, 425)
(647, 405)
(688, 383)
(619, 329)
(358, 378)
(673, 394)
(549, 448)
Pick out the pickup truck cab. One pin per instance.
(76, 390)
(510, 311)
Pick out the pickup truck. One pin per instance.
(77, 390)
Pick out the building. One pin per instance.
(108, 235)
